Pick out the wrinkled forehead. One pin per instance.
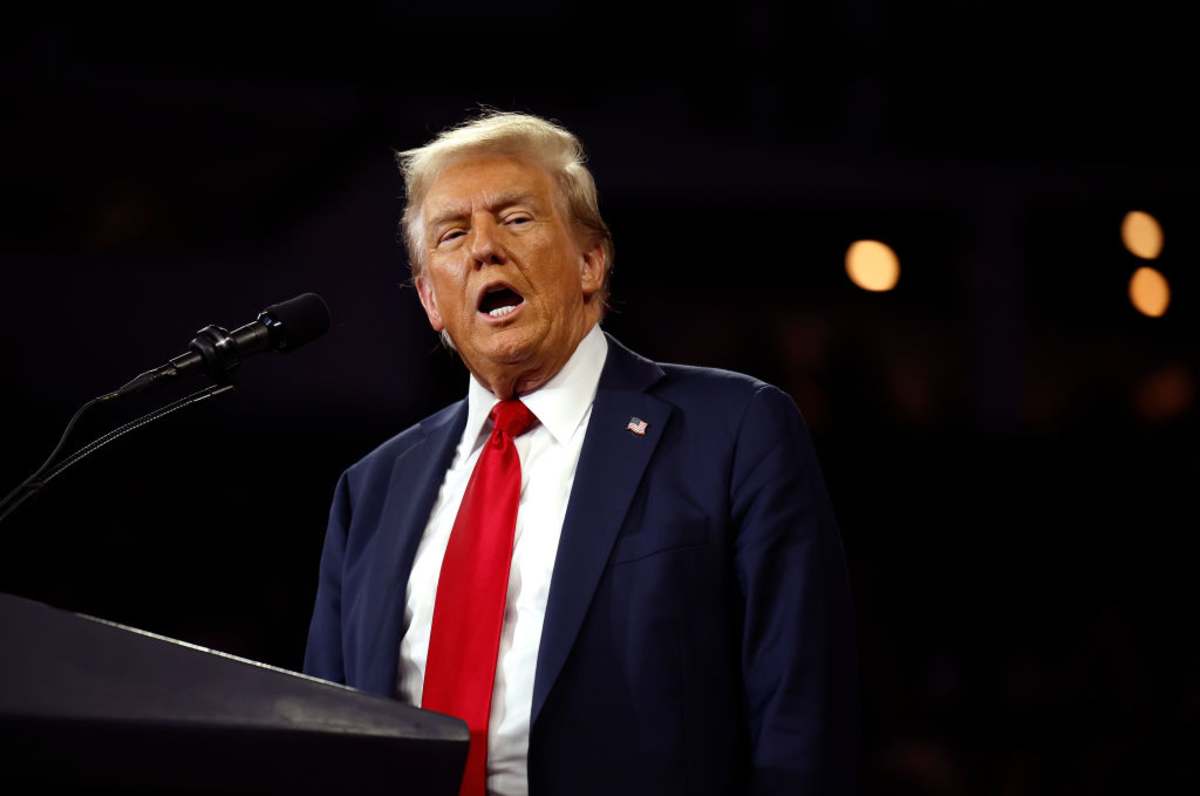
(487, 180)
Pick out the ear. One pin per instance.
(593, 267)
(425, 293)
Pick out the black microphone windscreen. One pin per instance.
(303, 318)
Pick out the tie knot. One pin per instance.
(512, 418)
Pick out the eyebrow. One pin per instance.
(494, 203)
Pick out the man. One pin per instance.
(625, 576)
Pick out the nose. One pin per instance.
(486, 248)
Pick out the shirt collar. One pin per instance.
(560, 403)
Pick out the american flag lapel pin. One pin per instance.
(636, 426)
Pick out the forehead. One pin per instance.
(481, 181)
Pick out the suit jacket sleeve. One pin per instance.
(324, 657)
(797, 646)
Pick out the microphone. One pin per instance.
(280, 327)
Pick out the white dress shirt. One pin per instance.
(549, 454)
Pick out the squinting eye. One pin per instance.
(451, 235)
(519, 220)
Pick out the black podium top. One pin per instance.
(89, 704)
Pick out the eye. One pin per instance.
(518, 219)
(450, 235)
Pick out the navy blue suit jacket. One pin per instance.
(698, 636)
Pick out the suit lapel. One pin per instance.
(611, 465)
(415, 482)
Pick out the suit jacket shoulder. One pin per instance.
(712, 392)
(378, 462)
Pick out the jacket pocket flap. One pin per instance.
(650, 541)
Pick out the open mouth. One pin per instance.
(499, 300)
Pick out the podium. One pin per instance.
(90, 706)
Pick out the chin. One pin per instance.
(510, 347)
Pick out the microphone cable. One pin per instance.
(34, 484)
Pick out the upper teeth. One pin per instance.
(502, 311)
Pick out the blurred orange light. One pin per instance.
(1142, 234)
(1165, 393)
(1149, 292)
(872, 265)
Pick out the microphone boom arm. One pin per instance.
(33, 484)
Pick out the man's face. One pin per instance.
(505, 273)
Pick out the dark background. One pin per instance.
(1009, 445)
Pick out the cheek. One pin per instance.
(447, 286)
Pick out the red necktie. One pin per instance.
(469, 610)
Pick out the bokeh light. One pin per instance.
(1142, 234)
(1149, 292)
(872, 265)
